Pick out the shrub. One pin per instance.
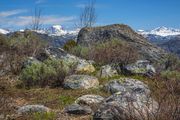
(37, 74)
(170, 62)
(69, 44)
(50, 73)
(61, 70)
(80, 51)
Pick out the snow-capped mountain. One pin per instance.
(3, 31)
(57, 30)
(161, 31)
(167, 38)
(160, 35)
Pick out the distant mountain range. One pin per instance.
(55, 35)
(55, 30)
(167, 38)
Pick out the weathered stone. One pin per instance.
(78, 109)
(84, 67)
(130, 99)
(107, 71)
(141, 67)
(80, 82)
(126, 85)
(27, 109)
(124, 106)
(89, 99)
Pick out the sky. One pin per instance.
(139, 14)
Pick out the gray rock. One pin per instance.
(130, 99)
(80, 82)
(78, 109)
(78, 64)
(90, 35)
(27, 109)
(141, 67)
(127, 85)
(107, 71)
(126, 106)
(89, 99)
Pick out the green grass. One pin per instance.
(66, 100)
(44, 116)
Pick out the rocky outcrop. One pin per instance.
(107, 71)
(28, 109)
(80, 82)
(126, 85)
(89, 99)
(141, 67)
(78, 109)
(88, 36)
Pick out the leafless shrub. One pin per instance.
(88, 16)
(36, 23)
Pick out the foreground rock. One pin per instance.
(107, 71)
(78, 109)
(80, 82)
(27, 109)
(127, 85)
(89, 100)
(126, 106)
(141, 67)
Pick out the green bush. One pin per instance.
(50, 73)
(70, 44)
(37, 74)
(61, 70)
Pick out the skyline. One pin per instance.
(139, 14)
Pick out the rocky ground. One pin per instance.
(88, 93)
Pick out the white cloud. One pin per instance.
(24, 21)
(40, 1)
(57, 19)
(12, 12)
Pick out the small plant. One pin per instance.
(66, 100)
(44, 116)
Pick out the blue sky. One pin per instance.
(139, 14)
